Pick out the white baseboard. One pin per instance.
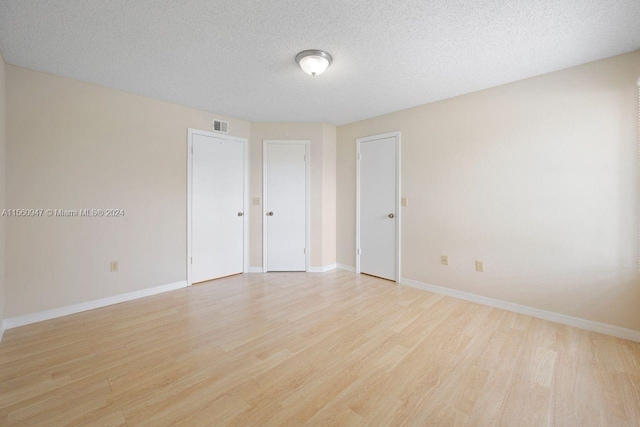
(255, 270)
(27, 319)
(346, 267)
(322, 269)
(589, 325)
(2, 328)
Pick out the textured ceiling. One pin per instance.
(236, 57)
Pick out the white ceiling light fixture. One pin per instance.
(313, 61)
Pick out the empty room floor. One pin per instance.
(318, 349)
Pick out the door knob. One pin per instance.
(240, 213)
(269, 213)
(391, 215)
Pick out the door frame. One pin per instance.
(398, 214)
(307, 219)
(190, 133)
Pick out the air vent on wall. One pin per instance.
(220, 126)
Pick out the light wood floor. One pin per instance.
(316, 349)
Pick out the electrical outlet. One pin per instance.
(404, 201)
(113, 267)
(444, 259)
(480, 266)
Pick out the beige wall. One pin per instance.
(539, 179)
(322, 155)
(329, 158)
(2, 184)
(75, 145)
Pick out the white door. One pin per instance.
(378, 196)
(217, 223)
(285, 206)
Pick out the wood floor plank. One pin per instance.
(332, 348)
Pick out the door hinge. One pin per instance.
(192, 149)
(359, 156)
(191, 260)
(305, 251)
(359, 251)
(304, 158)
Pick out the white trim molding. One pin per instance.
(398, 213)
(323, 269)
(265, 196)
(589, 325)
(346, 267)
(255, 270)
(2, 328)
(27, 319)
(246, 207)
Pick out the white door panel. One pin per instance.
(285, 205)
(378, 214)
(217, 234)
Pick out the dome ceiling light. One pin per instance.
(313, 61)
